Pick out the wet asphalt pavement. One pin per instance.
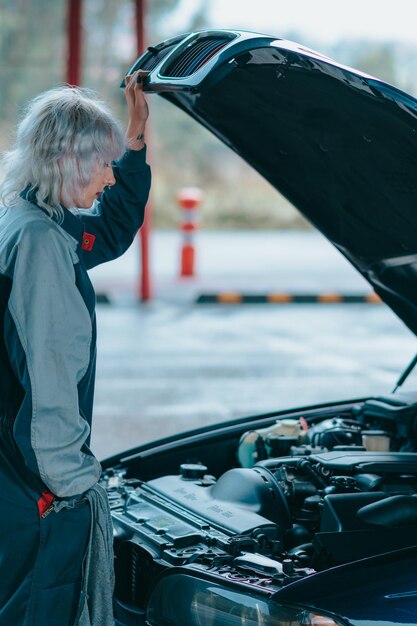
(171, 365)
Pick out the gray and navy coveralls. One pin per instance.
(47, 372)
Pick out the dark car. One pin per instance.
(305, 517)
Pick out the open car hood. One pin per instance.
(339, 144)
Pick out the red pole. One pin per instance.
(189, 200)
(145, 280)
(74, 42)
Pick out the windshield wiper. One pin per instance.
(405, 374)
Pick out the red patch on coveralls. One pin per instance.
(44, 501)
(88, 241)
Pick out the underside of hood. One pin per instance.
(340, 145)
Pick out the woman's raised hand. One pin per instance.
(137, 110)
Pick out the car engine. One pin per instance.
(308, 494)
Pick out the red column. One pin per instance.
(145, 292)
(74, 42)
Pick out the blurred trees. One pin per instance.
(33, 57)
(31, 54)
(378, 61)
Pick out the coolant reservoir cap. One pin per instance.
(280, 445)
(192, 471)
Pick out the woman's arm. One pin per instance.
(120, 210)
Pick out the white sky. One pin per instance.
(321, 20)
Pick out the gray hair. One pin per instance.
(64, 134)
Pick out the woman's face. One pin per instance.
(102, 176)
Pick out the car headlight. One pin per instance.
(183, 599)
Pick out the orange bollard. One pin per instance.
(189, 200)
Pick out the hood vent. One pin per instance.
(154, 57)
(195, 55)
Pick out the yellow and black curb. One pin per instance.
(234, 297)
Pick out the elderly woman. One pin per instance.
(70, 154)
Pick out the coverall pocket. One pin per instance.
(58, 572)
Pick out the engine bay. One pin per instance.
(305, 493)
